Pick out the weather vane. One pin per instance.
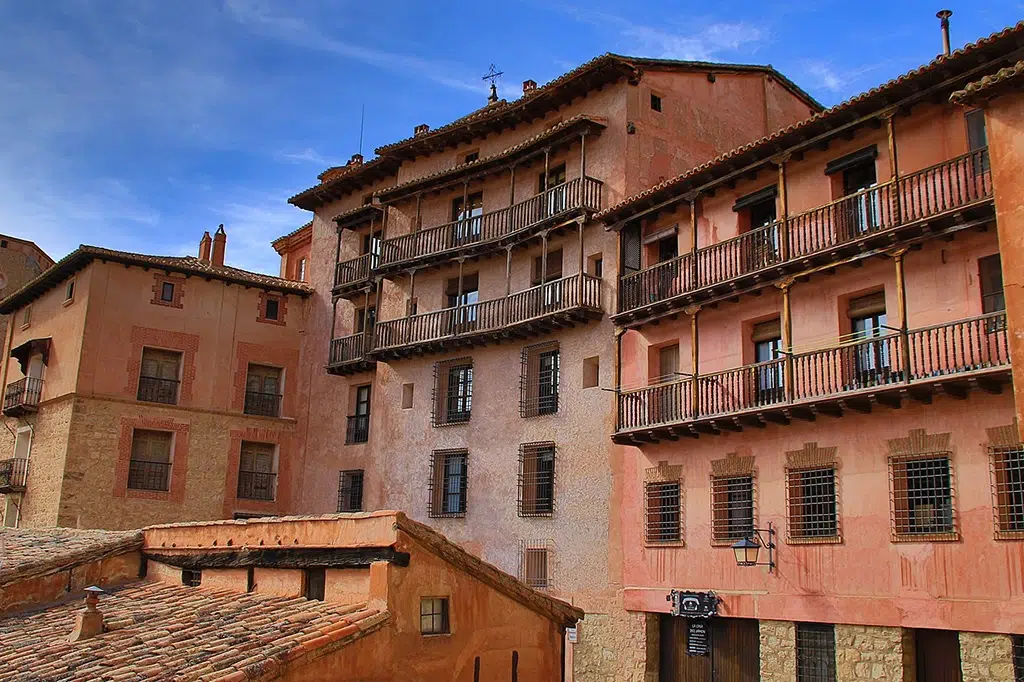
(493, 76)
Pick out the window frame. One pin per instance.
(439, 489)
(1007, 495)
(164, 288)
(445, 396)
(350, 486)
(654, 534)
(539, 388)
(168, 465)
(256, 450)
(796, 481)
(154, 350)
(902, 519)
(534, 480)
(535, 564)
(815, 639)
(440, 617)
(722, 518)
(657, 103)
(314, 583)
(69, 291)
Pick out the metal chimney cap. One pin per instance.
(944, 13)
(92, 589)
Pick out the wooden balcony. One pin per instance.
(538, 310)
(348, 354)
(22, 397)
(13, 475)
(941, 199)
(949, 358)
(509, 225)
(352, 274)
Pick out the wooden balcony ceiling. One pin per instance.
(349, 367)
(360, 215)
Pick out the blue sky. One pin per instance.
(137, 124)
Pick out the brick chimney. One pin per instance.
(421, 129)
(88, 621)
(220, 240)
(529, 86)
(205, 244)
(356, 160)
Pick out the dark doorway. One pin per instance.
(732, 644)
(938, 655)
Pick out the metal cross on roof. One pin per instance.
(492, 75)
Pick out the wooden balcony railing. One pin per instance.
(256, 485)
(347, 349)
(559, 296)
(354, 271)
(923, 356)
(938, 189)
(13, 475)
(574, 195)
(22, 396)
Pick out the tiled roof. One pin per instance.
(160, 631)
(293, 233)
(27, 552)
(774, 143)
(189, 265)
(347, 179)
(988, 84)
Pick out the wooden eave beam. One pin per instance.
(302, 557)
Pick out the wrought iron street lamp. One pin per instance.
(747, 549)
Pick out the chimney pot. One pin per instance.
(529, 86)
(205, 244)
(88, 621)
(421, 129)
(220, 240)
(944, 15)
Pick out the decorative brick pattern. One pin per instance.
(985, 657)
(732, 465)
(255, 353)
(1003, 436)
(179, 458)
(159, 279)
(281, 500)
(282, 308)
(918, 442)
(870, 654)
(811, 456)
(777, 650)
(187, 344)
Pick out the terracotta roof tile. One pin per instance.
(291, 234)
(26, 552)
(988, 84)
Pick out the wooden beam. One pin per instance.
(305, 557)
(892, 400)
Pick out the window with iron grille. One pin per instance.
(1018, 658)
(448, 483)
(732, 508)
(191, 577)
(811, 498)
(663, 512)
(815, 652)
(150, 465)
(1008, 490)
(263, 391)
(257, 478)
(921, 494)
(350, 490)
(535, 563)
(453, 392)
(538, 380)
(434, 616)
(159, 376)
(537, 479)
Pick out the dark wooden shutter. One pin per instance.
(938, 655)
(631, 247)
(871, 304)
(766, 331)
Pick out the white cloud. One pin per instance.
(302, 156)
(824, 76)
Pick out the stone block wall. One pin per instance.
(870, 654)
(612, 647)
(986, 658)
(777, 650)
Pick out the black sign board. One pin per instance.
(697, 637)
(693, 604)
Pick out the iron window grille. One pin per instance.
(1018, 658)
(350, 490)
(434, 616)
(448, 483)
(921, 498)
(815, 652)
(191, 577)
(732, 508)
(453, 392)
(158, 378)
(535, 563)
(257, 479)
(538, 380)
(663, 512)
(315, 580)
(812, 500)
(1008, 491)
(537, 479)
(149, 467)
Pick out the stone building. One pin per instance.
(119, 365)
(822, 477)
(462, 293)
(344, 597)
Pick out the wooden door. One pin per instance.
(676, 664)
(734, 655)
(938, 655)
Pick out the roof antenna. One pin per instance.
(944, 15)
(492, 76)
(362, 119)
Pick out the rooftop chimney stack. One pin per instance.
(529, 86)
(205, 244)
(944, 15)
(356, 160)
(220, 241)
(88, 621)
(421, 129)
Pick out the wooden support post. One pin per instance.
(901, 304)
(579, 223)
(368, 334)
(366, 311)
(384, 225)
(337, 260)
(787, 339)
(334, 318)
(508, 270)
(694, 273)
(547, 160)
(583, 156)
(693, 312)
(544, 257)
(419, 219)
(412, 292)
(894, 168)
(512, 185)
(784, 249)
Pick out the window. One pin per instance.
(668, 248)
(263, 391)
(26, 316)
(434, 616)
(871, 359)
(596, 266)
(448, 482)
(921, 490)
(553, 184)
(191, 577)
(554, 267)
(315, 580)
(466, 213)
(358, 430)
(159, 376)
(150, 464)
(767, 340)
(534, 568)
(536, 479)
(471, 156)
(655, 102)
(364, 319)
(273, 309)
(407, 395)
(1018, 658)
(256, 471)
(464, 297)
(990, 275)
(538, 380)
(350, 491)
(732, 508)
(977, 139)
(1008, 488)
(302, 270)
(811, 495)
(69, 290)
(815, 652)
(663, 512)
(453, 392)
(167, 292)
(591, 372)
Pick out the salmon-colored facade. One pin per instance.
(824, 375)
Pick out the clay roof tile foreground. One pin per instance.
(41, 551)
(989, 85)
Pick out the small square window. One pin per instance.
(302, 270)
(534, 564)
(407, 395)
(591, 372)
(316, 583)
(434, 616)
(26, 316)
(596, 263)
(167, 292)
(273, 309)
(471, 157)
(350, 491)
(69, 290)
(191, 577)
(655, 102)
